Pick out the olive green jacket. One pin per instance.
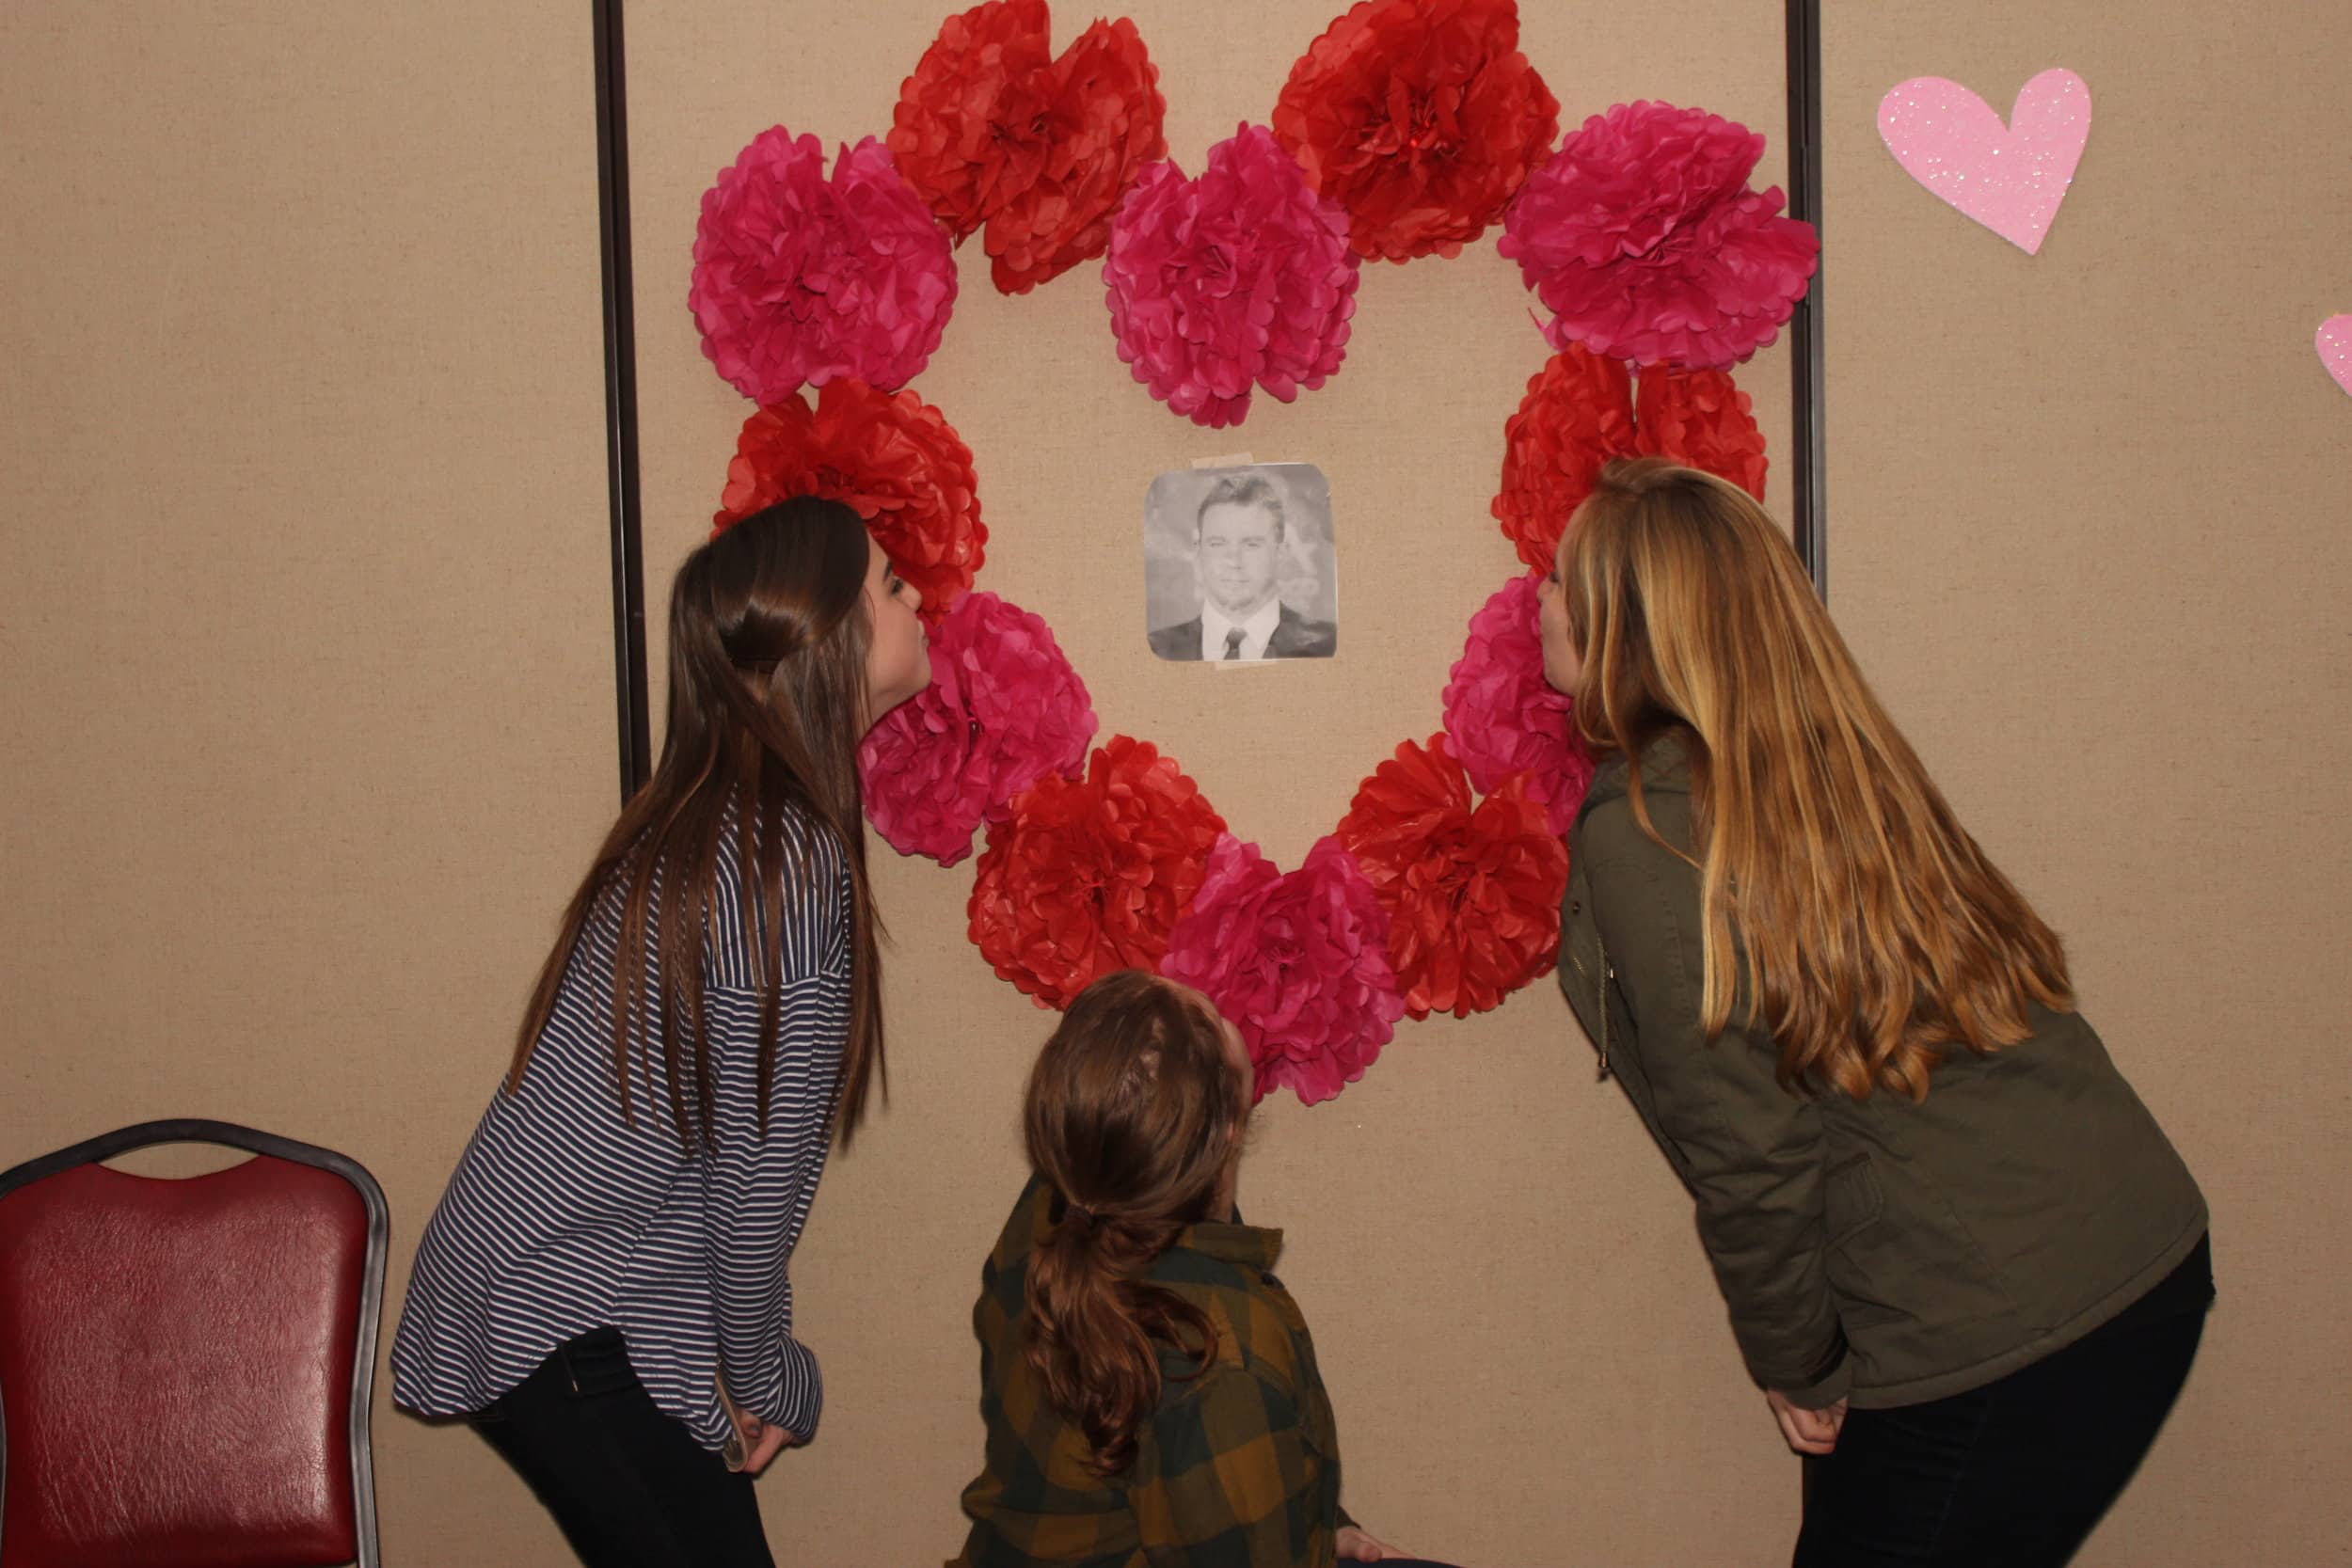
(1880, 1250)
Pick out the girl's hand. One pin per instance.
(1356, 1546)
(1807, 1430)
(758, 1441)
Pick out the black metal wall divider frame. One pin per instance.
(1808, 525)
(1807, 518)
(620, 399)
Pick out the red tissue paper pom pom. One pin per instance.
(1577, 414)
(1581, 411)
(1004, 709)
(1702, 421)
(1645, 241)
(1421, 117)
(1084, 877)
(1243, 276)
(1298, 961)
(1472, 895)
(992, 132)
(895, 460)
(1504, 719)
(798, 279)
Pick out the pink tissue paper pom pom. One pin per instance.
(798, 279)
(1241, 277)
(1297, 960)
(1503, 718)
(1003, 710)
(1643, 238)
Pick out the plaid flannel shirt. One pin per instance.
(1237, 1467)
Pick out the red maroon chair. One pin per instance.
(185, 1366)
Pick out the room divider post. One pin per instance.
(620, 399)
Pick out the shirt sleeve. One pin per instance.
(1750, 1150)
(756, 1191)
(1225, 1479)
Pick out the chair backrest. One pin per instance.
(186, 1365)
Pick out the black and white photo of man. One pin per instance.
(1241, 545)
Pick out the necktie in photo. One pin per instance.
(1233, 644)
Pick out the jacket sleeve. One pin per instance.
(1226, 1479)
(756, 1191)
(1750, 1150)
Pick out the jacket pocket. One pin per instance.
(1913, 1288)
(1850, 1198)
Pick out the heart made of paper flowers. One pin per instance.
(1406, 129)
(2334, 342)
(2009, 178)
(1037, 151)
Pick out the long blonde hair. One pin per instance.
(1877, 935)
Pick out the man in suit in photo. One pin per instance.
(1237, 546)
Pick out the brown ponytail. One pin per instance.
(1133, 1114)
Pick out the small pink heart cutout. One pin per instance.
(2334, 342)
(2009, 178)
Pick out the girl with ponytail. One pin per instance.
(1134, 1116)
(1150, 1389)
(602, 1291)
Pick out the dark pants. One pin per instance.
(2016, 1473)
(630, 1487)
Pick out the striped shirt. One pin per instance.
(563, 1218)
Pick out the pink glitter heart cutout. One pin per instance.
(2334, 342)
(2009, 178)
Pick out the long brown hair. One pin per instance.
(768, 643)
(1132, 1114)
(1877, 935)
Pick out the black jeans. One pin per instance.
(630, 1487)
(2012, 1475)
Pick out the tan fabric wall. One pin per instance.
(307, 642)
(303, 588)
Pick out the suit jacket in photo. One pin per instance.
(1294, 637)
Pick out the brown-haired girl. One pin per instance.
(1150, 1389)
(1961, 1258)
(603, 1289)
